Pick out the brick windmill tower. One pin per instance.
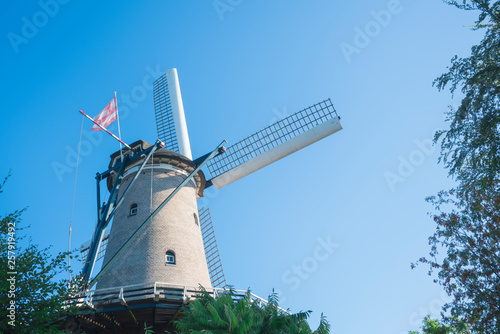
(161, 246)
(171, 248)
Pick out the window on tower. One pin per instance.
(133, 209)
(169, 257)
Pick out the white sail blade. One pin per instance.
(274, 143)
(169, 113)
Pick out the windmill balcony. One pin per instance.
(126, 309)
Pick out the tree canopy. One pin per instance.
(470, 148)
(30, 295)
(470, 271)
(465, 248)
(432, 326)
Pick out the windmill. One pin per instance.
(158, 233)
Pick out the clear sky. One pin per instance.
(243, 65)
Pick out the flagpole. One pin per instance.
(103, 128)
(119, 134)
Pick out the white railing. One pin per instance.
(156, 291)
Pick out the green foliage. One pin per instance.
(470, 271)
(467, 218)
(148, 329)
(432, 326)
(228, 314)
(39, 299)
(471, 147)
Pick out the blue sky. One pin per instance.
(241, 68)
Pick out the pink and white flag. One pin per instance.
(106, 116)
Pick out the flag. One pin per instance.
(106, 116)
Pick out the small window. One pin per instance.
(170, 258)
(133, 209)
(196, 219)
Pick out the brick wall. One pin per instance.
(174, 228)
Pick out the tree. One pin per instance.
(465, 246)
(470, 149)
(227, 314)
(470, 271)
(30, 296)
(432, 326)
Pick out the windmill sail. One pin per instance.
(169, 113)
(274, 142)
(85, 247)
(214, 264)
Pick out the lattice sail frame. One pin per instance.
(84, 249)
(163, 113)
(217, 277)
(169, 113)
(272, 136)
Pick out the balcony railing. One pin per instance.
(157, 292)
